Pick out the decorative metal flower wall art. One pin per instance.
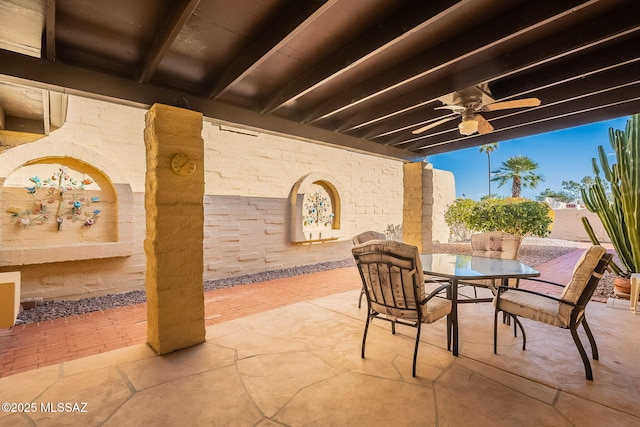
(59, 197)
(317, 211)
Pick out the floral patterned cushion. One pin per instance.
(394, 296)
(366, 236)
(495, 244)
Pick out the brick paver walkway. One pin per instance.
(559, 270)
(36, 345)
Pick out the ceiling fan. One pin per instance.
(468, 103)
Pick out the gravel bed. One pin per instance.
(534, 251)
(210, 285)
(49, 310)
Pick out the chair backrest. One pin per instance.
(392, 276)
(586, 276)
(496, 244)
(366, 236)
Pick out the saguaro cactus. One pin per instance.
(620, 214)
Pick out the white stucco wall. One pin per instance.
(567, 225)
(248, 181)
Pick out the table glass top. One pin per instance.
(474, 267)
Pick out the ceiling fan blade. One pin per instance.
(432, 125)
(484, 126)
(516, 103)
(456, 108)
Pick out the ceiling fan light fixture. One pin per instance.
(468, 127)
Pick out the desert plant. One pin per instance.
(620, 214)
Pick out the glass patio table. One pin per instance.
(458, 268)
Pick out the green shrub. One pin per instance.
(457, 218)
(519, 217)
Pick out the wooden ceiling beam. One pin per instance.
(400, 123)
(65, 78)
(164, 38)
(50, 30)
(561, 48)
(609, 58)
(394, 29)
(449, 55)
(291, 23)
(603, 57)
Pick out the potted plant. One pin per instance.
(619, 210)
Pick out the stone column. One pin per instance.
(174, 190)
(412, 225)
(427, 193)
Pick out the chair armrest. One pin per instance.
(435, 292)
(544, 281)
(436, 279)
(503, 289)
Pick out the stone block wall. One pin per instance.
(442, 194)
(427, 194)
(248, 180)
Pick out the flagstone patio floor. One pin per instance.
(287, 352)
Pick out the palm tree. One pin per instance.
(489, 148)
(521, 170)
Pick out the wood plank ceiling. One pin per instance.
(355, 73)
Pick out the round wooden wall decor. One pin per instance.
(183, 164)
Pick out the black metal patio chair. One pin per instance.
(566, 311)
(395, 289)
(363, 238)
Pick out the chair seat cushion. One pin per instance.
(436, 308)
(535, 307)
(432, 310)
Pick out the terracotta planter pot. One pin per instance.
(623, 285)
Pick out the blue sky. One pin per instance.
(561, 156)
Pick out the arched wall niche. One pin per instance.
(57, 201)
(25, 243)
(315, 208)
